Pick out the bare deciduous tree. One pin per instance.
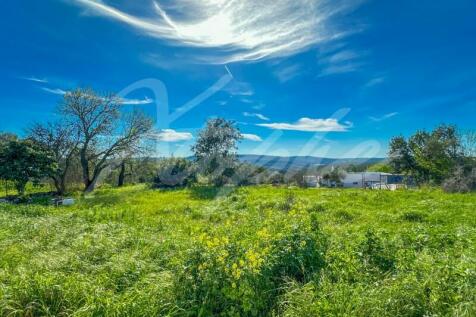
(62, 141)
(104, 133)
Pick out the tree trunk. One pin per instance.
(20, 187)
(62, 186)
(93, 182)
(91, 186)
(85, 169)
(57, 185)
(122, 174)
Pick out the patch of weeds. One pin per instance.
(317, 207)
(344, 216)
(228, 279)
(195, 214)
(187, 210)
(215, 217)
(375, 253)
(288, 203)
(414, 216)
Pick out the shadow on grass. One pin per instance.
(210, 192)
(42, 198)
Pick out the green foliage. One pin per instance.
(414, 216)
(249, 251)
(375, 254)
(218, 138)
(430, 157)
(215, 151)
(174, 172)
(231, 275)
(23, 161)
(7, 137)
(380, 167)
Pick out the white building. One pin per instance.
(312, 180)
(373, 180)
(365, 179)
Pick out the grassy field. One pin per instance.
(257, 251)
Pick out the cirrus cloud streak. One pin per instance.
(122, 101)
(310, 125)
(241, 30)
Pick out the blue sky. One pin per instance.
(302, 77)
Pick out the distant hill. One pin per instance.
(300, 162)
(284, 163)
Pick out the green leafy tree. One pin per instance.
(430, 157)
(6, 137)
(215, 150)
(436, 154)
(23, 161)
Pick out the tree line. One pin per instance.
(92, 135)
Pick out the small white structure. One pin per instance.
(372, 180)
(63, 202)
(68, 202)
(312, 180)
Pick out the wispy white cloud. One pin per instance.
(339, 69)
(170, 135)
(287, 73)
(239, 88)
(246, 100)
(237, 30)
(124, 101)
(374, 81)
(384, 117)
(340, 62)
(311, 125)
(36, 79)
(256, 115)
(251, 137)
(144, 101)
(167, 63)
(259, 106)
(343, 56)
(56, 91)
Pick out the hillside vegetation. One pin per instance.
(255, 251)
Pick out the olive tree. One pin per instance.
(215, 150)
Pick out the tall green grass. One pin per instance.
(252, 251)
